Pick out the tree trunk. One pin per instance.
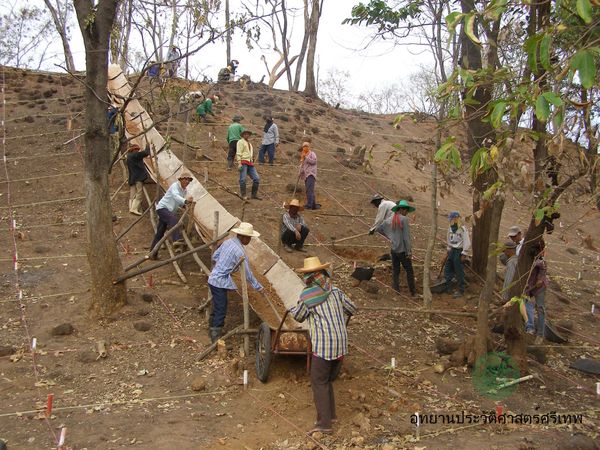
(311, 85)
(477, 133)
(302, 53)
(483, 307)
(228, 33)
(96, 23)
(124, 58)
(60, 22)
(285, 44)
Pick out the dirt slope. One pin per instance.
(140, 395)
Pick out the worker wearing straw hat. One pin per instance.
(325, 307)
(227, 260)
(293, 229)
(397, 229)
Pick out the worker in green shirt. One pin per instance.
(205, 108)
(234, 134)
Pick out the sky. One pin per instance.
(340, 47)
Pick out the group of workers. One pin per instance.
(325, 307)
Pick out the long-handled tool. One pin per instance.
(337, 241)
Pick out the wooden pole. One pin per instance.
(158, 244)
(441, 312)
(336, 241)
(212, 346)
(123, 233)
(163, 263)
(246, 306)
(205, 174)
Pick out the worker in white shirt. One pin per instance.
(384, 211)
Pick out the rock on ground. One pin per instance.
(64, 329)
(141, 325)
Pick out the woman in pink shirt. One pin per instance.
(308, 173)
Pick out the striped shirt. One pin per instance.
(327, 324)
(227, 257)
(289, 222)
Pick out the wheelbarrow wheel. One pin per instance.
(263, 352)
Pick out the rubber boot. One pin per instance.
(215, 333)
(135, 207)
(255, 191)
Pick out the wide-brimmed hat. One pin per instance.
(185, 175)
(403, 204)
(510, 245)
(312, 264)
(376, 198)
(246, 132)
(513, 231)
(453, 215)
(245, 229)
(294, 202)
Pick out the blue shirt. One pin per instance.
(227, 257)
(173, 198)
(327, 324)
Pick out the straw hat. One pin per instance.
(246, 229)
(403, 204)
(295, 203)
(513, 231)
(184, 175)
(246, 132)
(313, 264)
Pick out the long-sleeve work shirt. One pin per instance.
(174, 198)
(227, 258)
(384, 211)
(511, 269)
(271, 136)
(289, 222)
(309, 166)
(327, 324)
(459, 239)
(399, 235)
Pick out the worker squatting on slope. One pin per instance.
(293, 228)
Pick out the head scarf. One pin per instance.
(318, 287)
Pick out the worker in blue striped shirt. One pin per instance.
(227, 260)
(326, 308)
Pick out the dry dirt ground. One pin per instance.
(141, 396)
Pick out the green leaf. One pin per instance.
(531, 46)
(583, 62)
(440, 155)
(557, 120)
(470, 28)
(497, 114)
(452, 20)
(542, 108)
(495, 9)
(538, 214)
(471, 101)
(545, 51)
(455, 155)
(551, 97)
(584, 9)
